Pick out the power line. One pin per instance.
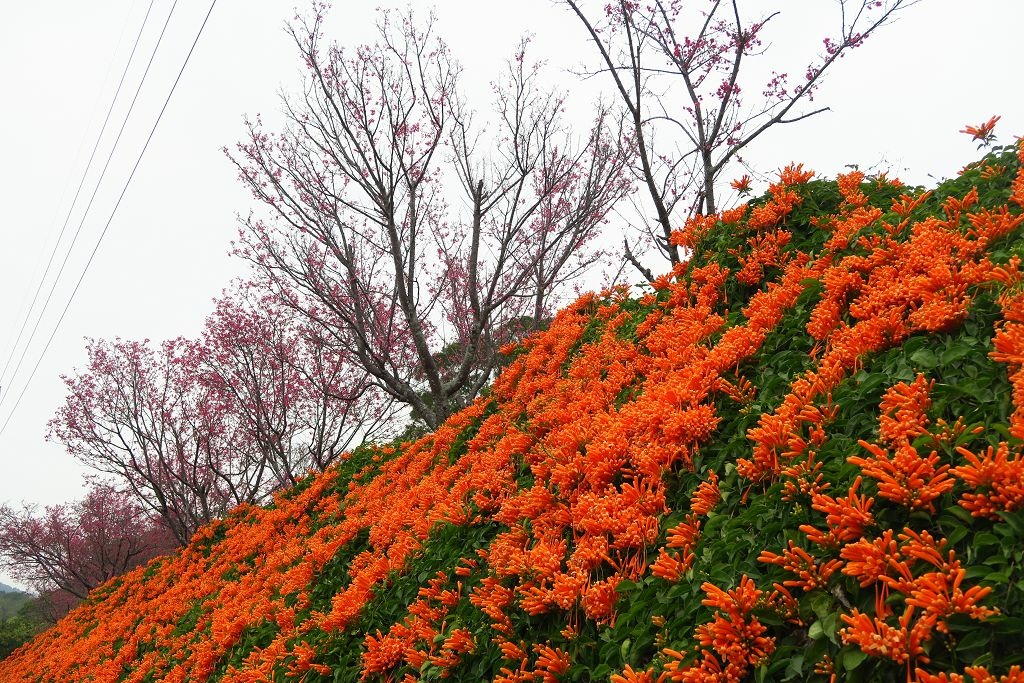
(99, 240)
(85, 214)
(74, 201)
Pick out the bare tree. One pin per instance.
(680, 75)
(361, 238)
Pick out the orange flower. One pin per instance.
(905, 477)
(741, 185)
(794, 174)
(997, 480)
(706, 496)
(901, 644)
(685, 534)
(940, 595)
(796, 560)
(982, 132)
(670, 566)
(630, 676)
(552, 663)
(868, 561)
(903, 410)
(849, 187)
(846, 518)
(732, 643)
(803, 479)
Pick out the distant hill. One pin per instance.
(4, 588)
(11, 600)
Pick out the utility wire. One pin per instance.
(74, 201)
(110, 218)
(85, 215)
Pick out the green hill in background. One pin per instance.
(11, 601)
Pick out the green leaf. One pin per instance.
(924, 358)
(955, 353)
(851, 657)
(795, 668)
(1015, 520)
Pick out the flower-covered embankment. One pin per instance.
(800, 457)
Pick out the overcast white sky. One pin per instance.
(901, 98)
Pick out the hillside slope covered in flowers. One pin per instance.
(798, 458)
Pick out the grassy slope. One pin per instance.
(658, 487)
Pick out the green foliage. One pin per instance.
(20, 622)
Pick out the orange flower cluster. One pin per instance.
(550, 665)
(810, 574)
(978, 674)
(996, 480)
(930, 597)
(846, 518)
(416, 640)
(905, 477)
(765, 251)
(900, 286)
(732, 644)
(982, 131)
(783, 198)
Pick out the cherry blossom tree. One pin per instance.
(295, 403)
(407, 233)
(64, 551)
(139, 414)
(683, 74)
(195, 427)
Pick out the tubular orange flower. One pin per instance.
(983, 131)
(794, 174)
(732, 643)
(904, 408)
(997, 481)
(939, 595)
(630, 676)
(905, 477)
(868, 561)
(796, 560)
(685, 534)
(846, 518)
(552, 663)
(849, 187)
(706, 496)
(803, 479)
(741, 185)
(670, 566)
(902, 644)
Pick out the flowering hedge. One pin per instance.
(798, 458)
